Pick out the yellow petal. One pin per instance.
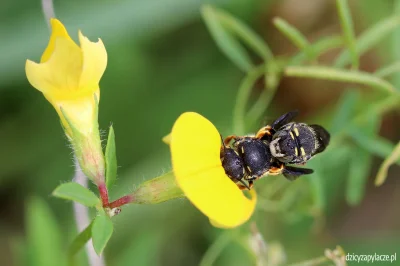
(167, 139)
(94, 62)
(195, 150)
(57, 30)
(217, 197)
(58, 78)
(248, 211)
(195, 144)
(81, 112)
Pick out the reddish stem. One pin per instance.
(121, 201)
(103, 194)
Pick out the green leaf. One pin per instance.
(344, 111)
(44, 236)
(80, 240)
(370, 38)
(76, 192)
(360, 162)
(294, 35)
(318, 48)
(389, 70)
(111, 159)
(348, 31)
(245, 33)
(225, 41)
(395, 45)
(360, 166)
(383, 169)
(102, 230)
(374, 144)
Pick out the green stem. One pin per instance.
(215, 249)
(262, 103)
(329, 73)
(348, 31)
(243, 98)
(272, 79)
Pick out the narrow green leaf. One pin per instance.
(360, 162)
(294, 35)
(396, 44)
(383, 169)
(360, 166)
(44, 236)
(318, 48)
(369, 39)
(348, 31)
(80, 240)
(225, 41)
(335, 74)
(389, 70)
(374, 144)
(245, 33)
(243, 96)
(111, 159)
(102, 230)
(344, 111)
(76, 192)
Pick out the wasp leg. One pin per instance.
(276, 170)
(264, 131)
(229, 138)
(292, 173)
(244, 186)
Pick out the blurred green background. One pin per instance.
(162, 62)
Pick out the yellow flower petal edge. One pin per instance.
(57, 30)
(195, 150)
(68, 75)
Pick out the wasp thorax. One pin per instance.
(256, 156)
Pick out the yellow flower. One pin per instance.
(195, 150)
(68, 75)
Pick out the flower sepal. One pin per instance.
(157, 190)
(86, 145)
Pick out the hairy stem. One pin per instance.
(121, 201)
